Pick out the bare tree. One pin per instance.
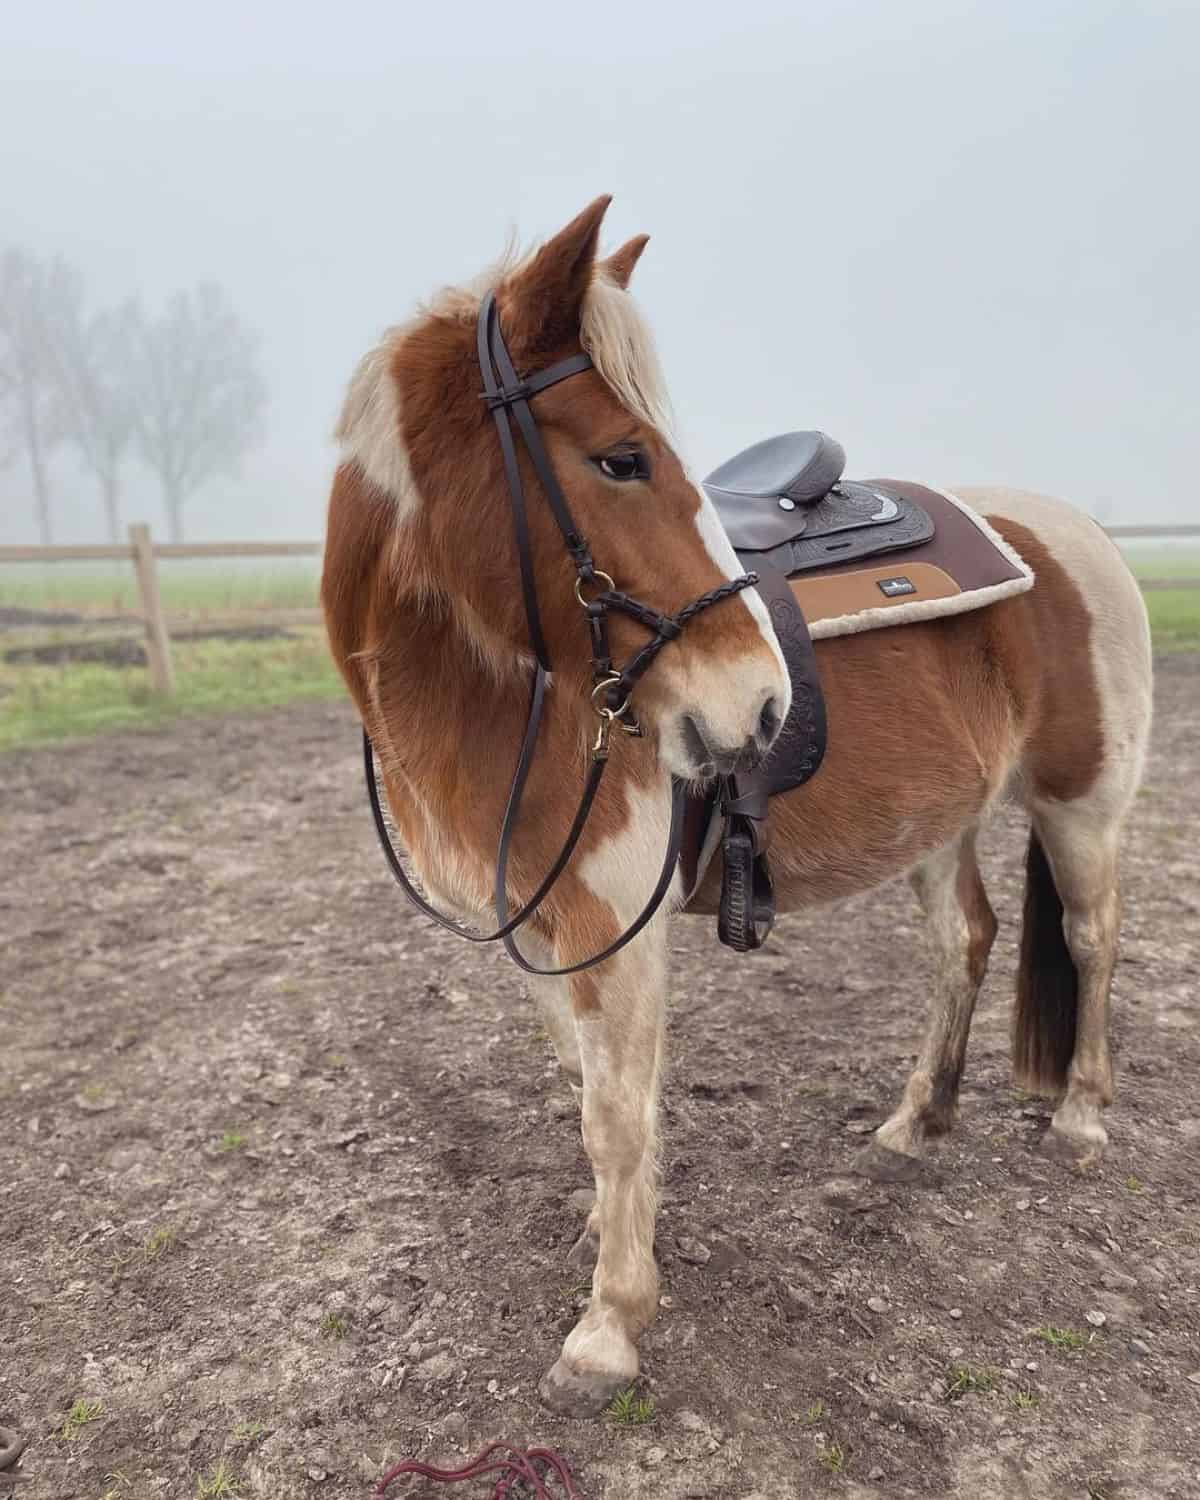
(196, 394)
(30, 292)
(91, 360)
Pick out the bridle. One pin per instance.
(508, 397)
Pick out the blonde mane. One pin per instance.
(612, 331)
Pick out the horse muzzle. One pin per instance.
(708, 754)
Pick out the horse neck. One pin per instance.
(451, 709)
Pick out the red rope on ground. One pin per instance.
(513, 1465)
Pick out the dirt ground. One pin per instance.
(286, 1174)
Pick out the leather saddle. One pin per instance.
(785, 501)
(787, 510)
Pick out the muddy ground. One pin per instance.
(286, 1174)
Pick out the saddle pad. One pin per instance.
(964, 565)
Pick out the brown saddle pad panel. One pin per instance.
(964, 565)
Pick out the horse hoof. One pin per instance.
(880, 1163)
(580, 1393)
(1077, 1153)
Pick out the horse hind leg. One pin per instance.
(962, 928)
(1068, 953)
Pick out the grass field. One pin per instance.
(39, 704)
(202, 586)
(1163, 560)
(43, 703)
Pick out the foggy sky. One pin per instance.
(963, 238)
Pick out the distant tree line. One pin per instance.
(181, 390)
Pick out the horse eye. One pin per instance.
(623, 466)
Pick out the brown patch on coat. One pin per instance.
(585, 994)
(920, 736)
(1045, 637)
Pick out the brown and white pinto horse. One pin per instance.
(1045, 696)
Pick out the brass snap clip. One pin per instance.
(608, 716)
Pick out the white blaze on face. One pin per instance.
(717, 700)
(720, 549)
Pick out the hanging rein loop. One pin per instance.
(507, 396)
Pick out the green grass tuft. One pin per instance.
(249, 1432)
(628, 1409)
(334, 1326)
(1023, 1400)
(961, 1380)
(1060, 1338)
(81, 1413)
(814, 1414)
(157, 1242)
(220, 1484)
(232, 1140)
(832, 1456)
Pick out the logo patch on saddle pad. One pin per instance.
(894, 587)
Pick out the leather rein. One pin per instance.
(507, 397)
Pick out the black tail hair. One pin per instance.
(1043, 1038)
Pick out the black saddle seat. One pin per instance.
(793, 469)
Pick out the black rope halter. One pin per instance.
(507, 396)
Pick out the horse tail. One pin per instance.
(1047, 1005)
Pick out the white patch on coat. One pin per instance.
(622, 871)
(369, 428)
(720, 549)
(1120, 636)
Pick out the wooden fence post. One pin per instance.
(158, 642)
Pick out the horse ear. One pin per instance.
(619, 265)
(542, 304)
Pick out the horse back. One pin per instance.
(930, 722)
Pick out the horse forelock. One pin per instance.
(623, 351)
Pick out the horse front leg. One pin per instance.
(618, 1010)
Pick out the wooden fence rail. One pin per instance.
(144, 553)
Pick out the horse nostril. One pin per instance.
(769, 721)
(697, 745)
